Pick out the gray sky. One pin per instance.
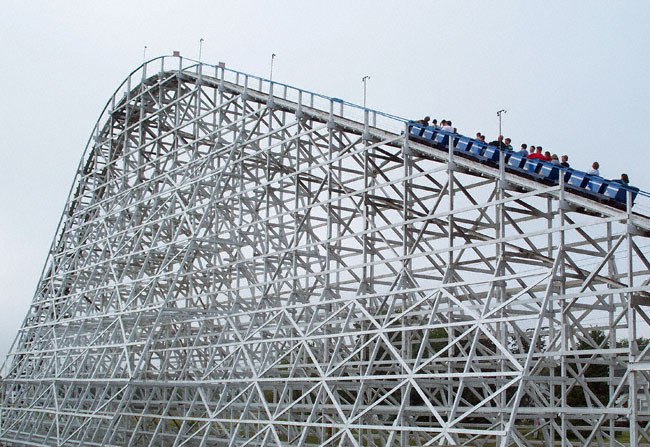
(573, 77)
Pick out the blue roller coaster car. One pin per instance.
(595, 187)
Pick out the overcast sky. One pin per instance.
(573, 77)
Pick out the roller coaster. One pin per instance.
(609, 191)
(244, 263)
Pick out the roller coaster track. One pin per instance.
(243, 263)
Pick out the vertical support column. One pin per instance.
(177, 119)
(271, 101)
(406, 270)
(221, 78)
(144, 72)
(220, 118)
(125, 149)
(197, 112)
(557, 283)
(331, 125)
(611, 359)
(214, 112)
(113, 136)
(373, 214)
(549, 226)
(338, 210)
(633, 404)
(499, 286)
(406, 182)
(267, 191)
(159, 117)
(450, 269)
(237, 170)
(564, 336)
(366, 272)
(450, 190)
(366, 208)
(142, 157)
(295, 285)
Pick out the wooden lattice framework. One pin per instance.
(242, 263)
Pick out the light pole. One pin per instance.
(365, 82)
(144, 54)
(499, 113)
(272, 58)
(200, 47)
